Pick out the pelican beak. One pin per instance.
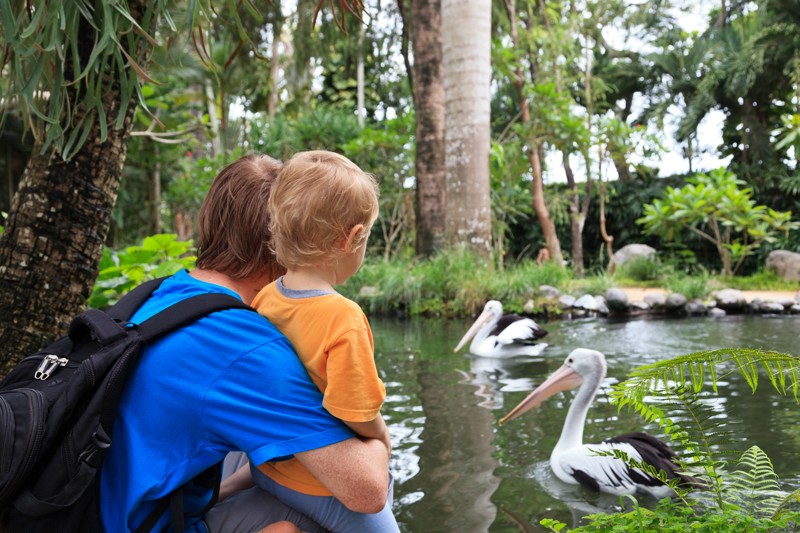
(565, 378)
(484, 319)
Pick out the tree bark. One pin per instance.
(430, 109)
(57, 226)
(466, 53)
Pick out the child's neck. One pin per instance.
(308, 279)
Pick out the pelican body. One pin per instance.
(499, 335)
(577, 463)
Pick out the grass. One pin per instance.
(457, 283)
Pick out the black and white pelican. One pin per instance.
(499, 335)
(577, 463)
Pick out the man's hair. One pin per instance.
(234, 220)
(318, 197)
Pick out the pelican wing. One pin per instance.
(515, 329)
(607, 473)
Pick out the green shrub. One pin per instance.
(120, 271)
(641, 269)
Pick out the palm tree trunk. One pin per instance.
(429, 105)
(466, 53)
(57, 226)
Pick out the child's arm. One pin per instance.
(374, 429)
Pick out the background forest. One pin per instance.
(512, 126)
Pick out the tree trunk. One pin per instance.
(275, 65)
(429, 105)
(551, 241)
(155, 191)
(577, 219)
(466, 47)
(57, 226)
(552, 244)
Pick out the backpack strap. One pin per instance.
(187, 311)
(124, 309)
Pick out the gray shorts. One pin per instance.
(252, 509)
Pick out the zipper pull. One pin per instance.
(48, 365)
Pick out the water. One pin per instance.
(456, 471)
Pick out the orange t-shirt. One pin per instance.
(333, 339)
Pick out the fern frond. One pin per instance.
(792, 500)
(701, 369)
(754, 487)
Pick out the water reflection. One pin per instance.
(455, 470)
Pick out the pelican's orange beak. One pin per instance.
(565, 378)
(482, 320)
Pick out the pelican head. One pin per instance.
(492, 312)
(582, 365)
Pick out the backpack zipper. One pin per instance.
(49, 363)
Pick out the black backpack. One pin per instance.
(57, 410)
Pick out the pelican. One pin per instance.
(499, 335)
(577, 463)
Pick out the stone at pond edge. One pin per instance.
(617, 300)
(730, 300)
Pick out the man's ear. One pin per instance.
(351, 237)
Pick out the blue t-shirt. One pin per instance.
(229, 381)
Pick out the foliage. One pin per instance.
(640, 269)
(695, 287)
(511, 195)
(385, 150)
(716, 207)
(451, 283)
(120, 271)
(669, 517)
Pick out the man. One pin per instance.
(230, 381)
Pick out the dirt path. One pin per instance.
(636, 294)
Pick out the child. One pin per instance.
(322, 208)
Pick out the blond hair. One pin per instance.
(234, 220)
(317, 198)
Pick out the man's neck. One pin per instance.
(246, 288)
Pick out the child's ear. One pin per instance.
(351, 237)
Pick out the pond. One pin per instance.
(456, 471)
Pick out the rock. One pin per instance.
(602, 307)
(773, 308)
(786, 264)
(716, 312)
(696, 308)
(675, 301)
(549, 291)
(617, 300)
(730, 300)
(566, 300)
(586, 302)
(629, 251)
(795, 309)
(655, 300)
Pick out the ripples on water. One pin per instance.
(455, 470)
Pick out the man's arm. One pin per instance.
(356, 472)
(374, 429)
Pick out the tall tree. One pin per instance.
(429, 106)
(91, 62)
(534, 133)
(466, 38)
